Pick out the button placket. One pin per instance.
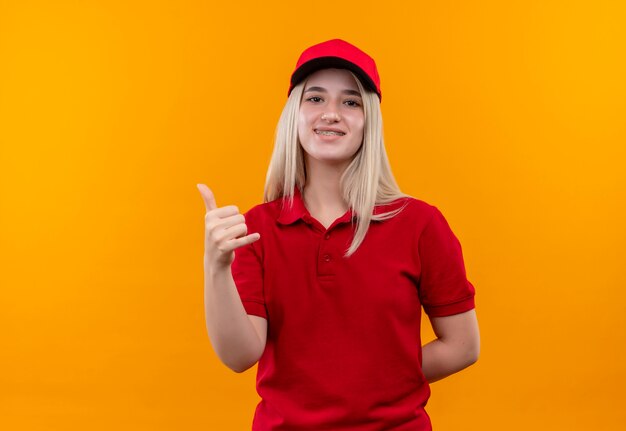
(326, 256)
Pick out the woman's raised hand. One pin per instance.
(224, 230)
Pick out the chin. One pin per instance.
(332, 160)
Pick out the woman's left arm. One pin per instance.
(456, 347)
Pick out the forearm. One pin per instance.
(441, 359)
(232, 335)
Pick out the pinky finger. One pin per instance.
(248, 239)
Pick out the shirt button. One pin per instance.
(327, 236)
(327, 257)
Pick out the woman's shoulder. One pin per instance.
(428, 214)
(414, 205)
(264, 211)
(408, 212)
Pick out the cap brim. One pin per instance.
(331, 62)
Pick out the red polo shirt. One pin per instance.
(343, 346)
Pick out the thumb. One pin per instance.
(207, 196)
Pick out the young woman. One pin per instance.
(323, 283)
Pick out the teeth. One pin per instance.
(328, 132)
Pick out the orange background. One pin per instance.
(509, 116)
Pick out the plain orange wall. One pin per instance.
(508, 116)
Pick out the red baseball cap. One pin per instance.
(337, 53)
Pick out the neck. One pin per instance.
(322, 191)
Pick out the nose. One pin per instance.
(330, 116)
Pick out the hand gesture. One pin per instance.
(224, 230)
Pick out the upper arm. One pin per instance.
(444, 289)
(260, 326)
(459, 329)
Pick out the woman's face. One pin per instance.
(331, 119)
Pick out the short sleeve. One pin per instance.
(247, 270)
(443, 289)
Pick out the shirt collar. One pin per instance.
(296, 212)
(299, 211)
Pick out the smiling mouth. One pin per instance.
(328, 133)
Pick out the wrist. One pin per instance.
(213, 267)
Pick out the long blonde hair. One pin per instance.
(365, 183)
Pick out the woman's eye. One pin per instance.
(351, 103)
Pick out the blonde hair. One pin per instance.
(365, 183)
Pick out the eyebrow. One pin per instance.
(323, 90)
